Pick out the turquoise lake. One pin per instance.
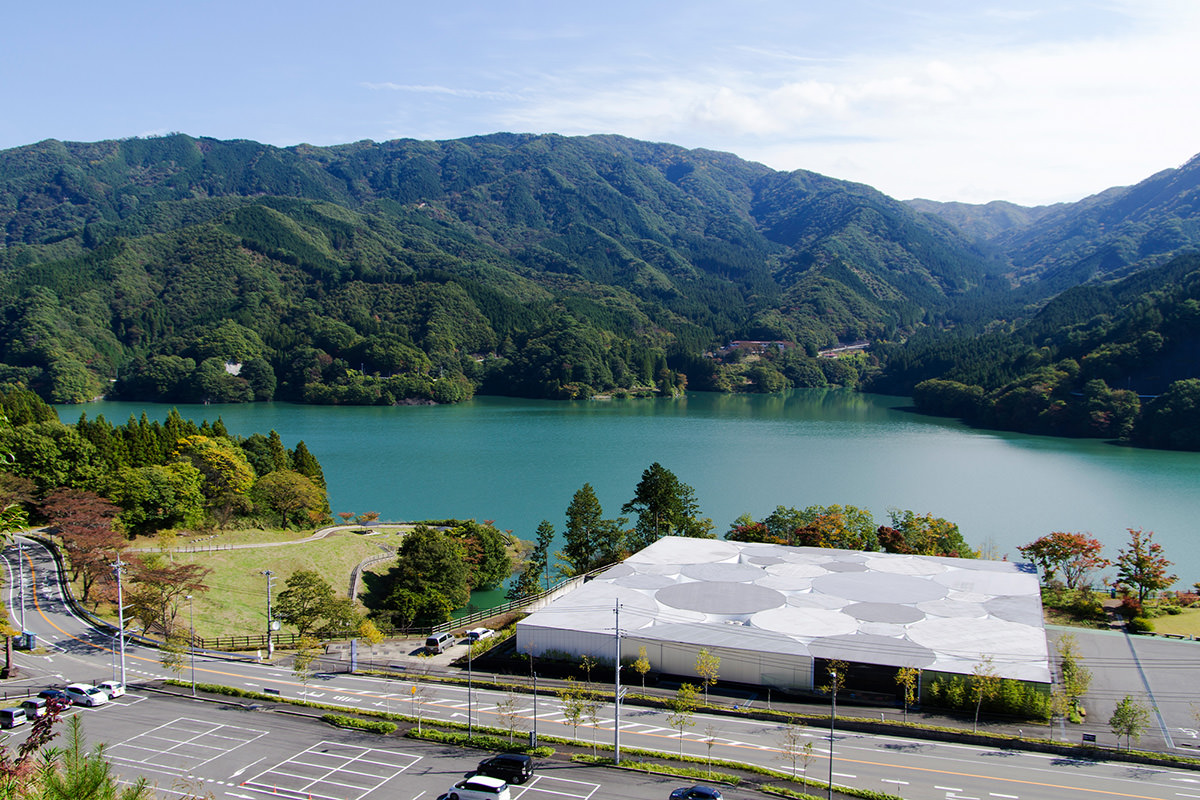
(520, 461)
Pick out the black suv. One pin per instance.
(509, 767)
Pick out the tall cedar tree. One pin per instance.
(590, 540)
(665, 506)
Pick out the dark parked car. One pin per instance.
(696, 793)
(510, 767)
(56, 697)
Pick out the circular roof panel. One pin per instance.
(719, 597)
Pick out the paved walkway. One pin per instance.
(320, 534)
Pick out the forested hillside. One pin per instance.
(180, 269)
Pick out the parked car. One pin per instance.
(479, 787)
(511, 767)
(57, 696)
(34, 707)
(111, 688)
(84, 694)
(475, 634)
(439, 643)
(12, 717)
(696, 793)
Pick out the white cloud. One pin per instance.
(1039, 122)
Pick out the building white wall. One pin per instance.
(753, 667)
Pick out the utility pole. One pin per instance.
(617, 688)
(833, 687)
(120, 615)
(21, 572)
(270, 621)
(470, 652)
(192, 642)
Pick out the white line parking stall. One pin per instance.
(548, 787)
(332, 770)
(182, 745)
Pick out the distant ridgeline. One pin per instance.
(177, 269)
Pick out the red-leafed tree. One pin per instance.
(84, 523)
(160, 588)
(1142, 565)
(1076, 555)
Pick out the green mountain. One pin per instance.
(179, 269)
(1110, 235)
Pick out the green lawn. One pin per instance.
(236, 602)
(1186, 623)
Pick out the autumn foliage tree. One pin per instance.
(160, 588)
(84, 524)
(1142, 564)
(1075, 555)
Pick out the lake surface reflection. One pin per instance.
(520, 461)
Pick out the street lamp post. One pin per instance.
(192, 642)
(833, 678)
(617, 687)
(470, 653)
(120, 616)
(270, 643)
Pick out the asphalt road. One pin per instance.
(909, 767)
(186, 747)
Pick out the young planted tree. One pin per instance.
(985, 684)
(909, 679)
(509, 712)
(642, 665)
(574, 700)
(794, 746)
(1129, 719)
(1142, 564)
(420, 693)
(591, 713)
(305, 660)
(707, 665)
(174, 651)
(1075, 679)
(837, 679)
(680, 709)
(588, 663)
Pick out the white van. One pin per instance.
(439, 643)
(12, 717)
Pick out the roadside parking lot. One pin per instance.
(223, 750)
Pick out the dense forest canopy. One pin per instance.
(180, 269)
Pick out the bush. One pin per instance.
(370, 725)
(1131, 607)
(1014, 698)
(1139, 625)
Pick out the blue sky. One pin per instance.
(1032, 102)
